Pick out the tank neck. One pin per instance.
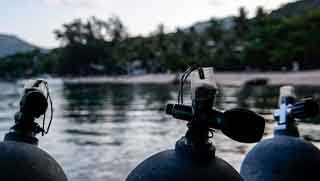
(289, 129)
(204, 152)
(293, 132)
(24, 130)
(196, 145)
(15, 136)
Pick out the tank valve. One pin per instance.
(239, 124)
(33, 104)
(291, 110)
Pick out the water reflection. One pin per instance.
(119, 119)
(85, 102)
(315, 93)
(262, 99)
(101, 131)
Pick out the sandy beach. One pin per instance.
(223, 78)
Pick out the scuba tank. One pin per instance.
(194, 155)
(285, 157)
(20, 157)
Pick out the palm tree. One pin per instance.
(241, 23)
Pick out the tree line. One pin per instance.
(104, 47)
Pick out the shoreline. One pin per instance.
(310, 78)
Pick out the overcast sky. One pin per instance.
(35, 20)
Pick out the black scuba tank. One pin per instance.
(285, 157)
(20, 157)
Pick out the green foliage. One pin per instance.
(89, 46)
(19, 65)
(241, 23)
(97, 47)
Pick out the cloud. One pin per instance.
(75, 3)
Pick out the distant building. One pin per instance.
(295, 66)
(136, 68)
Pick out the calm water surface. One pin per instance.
(102, 131)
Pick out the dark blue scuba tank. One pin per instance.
(20, 157)
(285, 157)
(194, 155)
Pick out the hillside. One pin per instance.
(296, 8)
(227, 23)
(10, 45)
